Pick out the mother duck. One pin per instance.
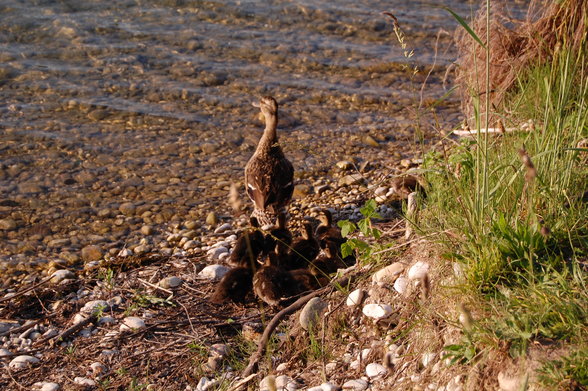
(268, 174)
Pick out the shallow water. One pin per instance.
(150, 101)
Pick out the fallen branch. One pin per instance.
(17, 294)
(269, 329)
(27, 326)
(73, 329)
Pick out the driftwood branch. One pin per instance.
(30, 288)
(269, 329)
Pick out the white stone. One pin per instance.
(457, 269)
(286, 383)
(22, 362)
(282, 367)
(374, 370)
(355, 385)
(381, 191)
(311, 312)
(5, 352)
(428, 358)
(510, 382)
(125, 252)
(61, 275)
(400, 285)
(215, 253)
(355, 297)
(170, 282)
(205, 384)
(377, 311)
(329, 387)
(222, 228)
(455, 384)
(389, 274)
(132, 323)
(418, 270)
(98, 369)
(45, 386)
(316, 388)
(95, 305)
(79, 318)
(189, 244)
(213, 272)
(84, 381)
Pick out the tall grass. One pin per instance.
(515, 208)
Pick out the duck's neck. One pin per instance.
(270, 135)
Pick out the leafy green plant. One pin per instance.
(364, 249)
(568, 373)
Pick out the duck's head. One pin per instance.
(268, 106)
(325, 217)
(307, 231)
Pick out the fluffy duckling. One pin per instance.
(249, 245)
(269, 175)
(326, 233)
(278, 234)
(330, 261)
(234, 286)
(271, 283)
(303, 250)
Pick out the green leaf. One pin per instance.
(347, 227)
(346, 249)
(465, 25)
(364, 226)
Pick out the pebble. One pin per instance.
(84, 381)
(428, 358)
(5, 352)
(7, 224)
(377, 311)
(351, 179)
(311, 312)
(205, 384)
(418, 270)
(213, 272)
(147, 230)
(92, 253)
(132, 323)
(513, 382)
(125, 252)
(284, 382)
(215, 253)
(375, 370)
(45, 386)
(170, 282)
(400, 285)
(98, 369)
(211, 219)
(22, 362)
(355, 297)
(355, 385)
(127, 208)
(344, 165)
(455, 384)
(95, 305)
(222, 228)
(61, 275)
(389, 274)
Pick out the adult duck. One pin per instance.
(269, 176)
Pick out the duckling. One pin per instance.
(305, 281)
(234, 286)
(278, 234)
(326, 233)
(271, 283)
(303, 249)
(330, 261)
(269, 175)
(249, 245)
